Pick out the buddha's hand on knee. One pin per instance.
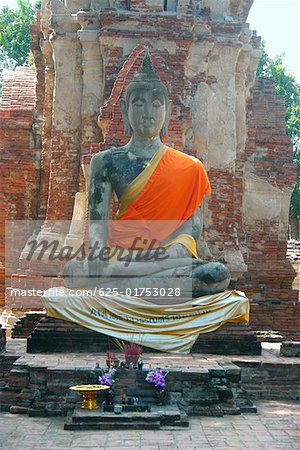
(96, 265)
(177, 251)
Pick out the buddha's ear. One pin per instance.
(164, 130)
(127, 127)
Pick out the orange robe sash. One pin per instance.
(159, 200)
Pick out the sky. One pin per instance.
(276, 21)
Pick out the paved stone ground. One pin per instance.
(275, 427)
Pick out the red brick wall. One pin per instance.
(19, 176)
(269, 156)
(276, 380)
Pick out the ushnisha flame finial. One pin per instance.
(146, 72)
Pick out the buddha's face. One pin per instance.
(146, 112)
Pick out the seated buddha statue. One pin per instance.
(160, 192)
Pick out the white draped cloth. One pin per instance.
(169, 328)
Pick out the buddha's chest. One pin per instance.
(124, 170)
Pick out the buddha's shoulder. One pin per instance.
(107, 156)
(183, 156)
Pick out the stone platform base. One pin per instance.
(39, 386)
(157, 417)
(55, 335)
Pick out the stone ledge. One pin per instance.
(290, 349)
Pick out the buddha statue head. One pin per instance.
(146, 108)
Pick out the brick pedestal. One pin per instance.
(26, 324)
(55, 335)
(209, 388)
(229, 339)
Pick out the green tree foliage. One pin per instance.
(14, 31)
(15, 35)
(286, 86)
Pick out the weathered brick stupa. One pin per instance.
(85, 52)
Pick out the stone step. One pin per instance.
(15, 409)
(101, 416)
(183, 422)
(166, 414)
(137, 425)
(129, 408)
(82, 419)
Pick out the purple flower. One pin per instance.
(107, 378)
(157, 378)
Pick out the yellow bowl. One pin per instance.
(89, 387)
(89, 392)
